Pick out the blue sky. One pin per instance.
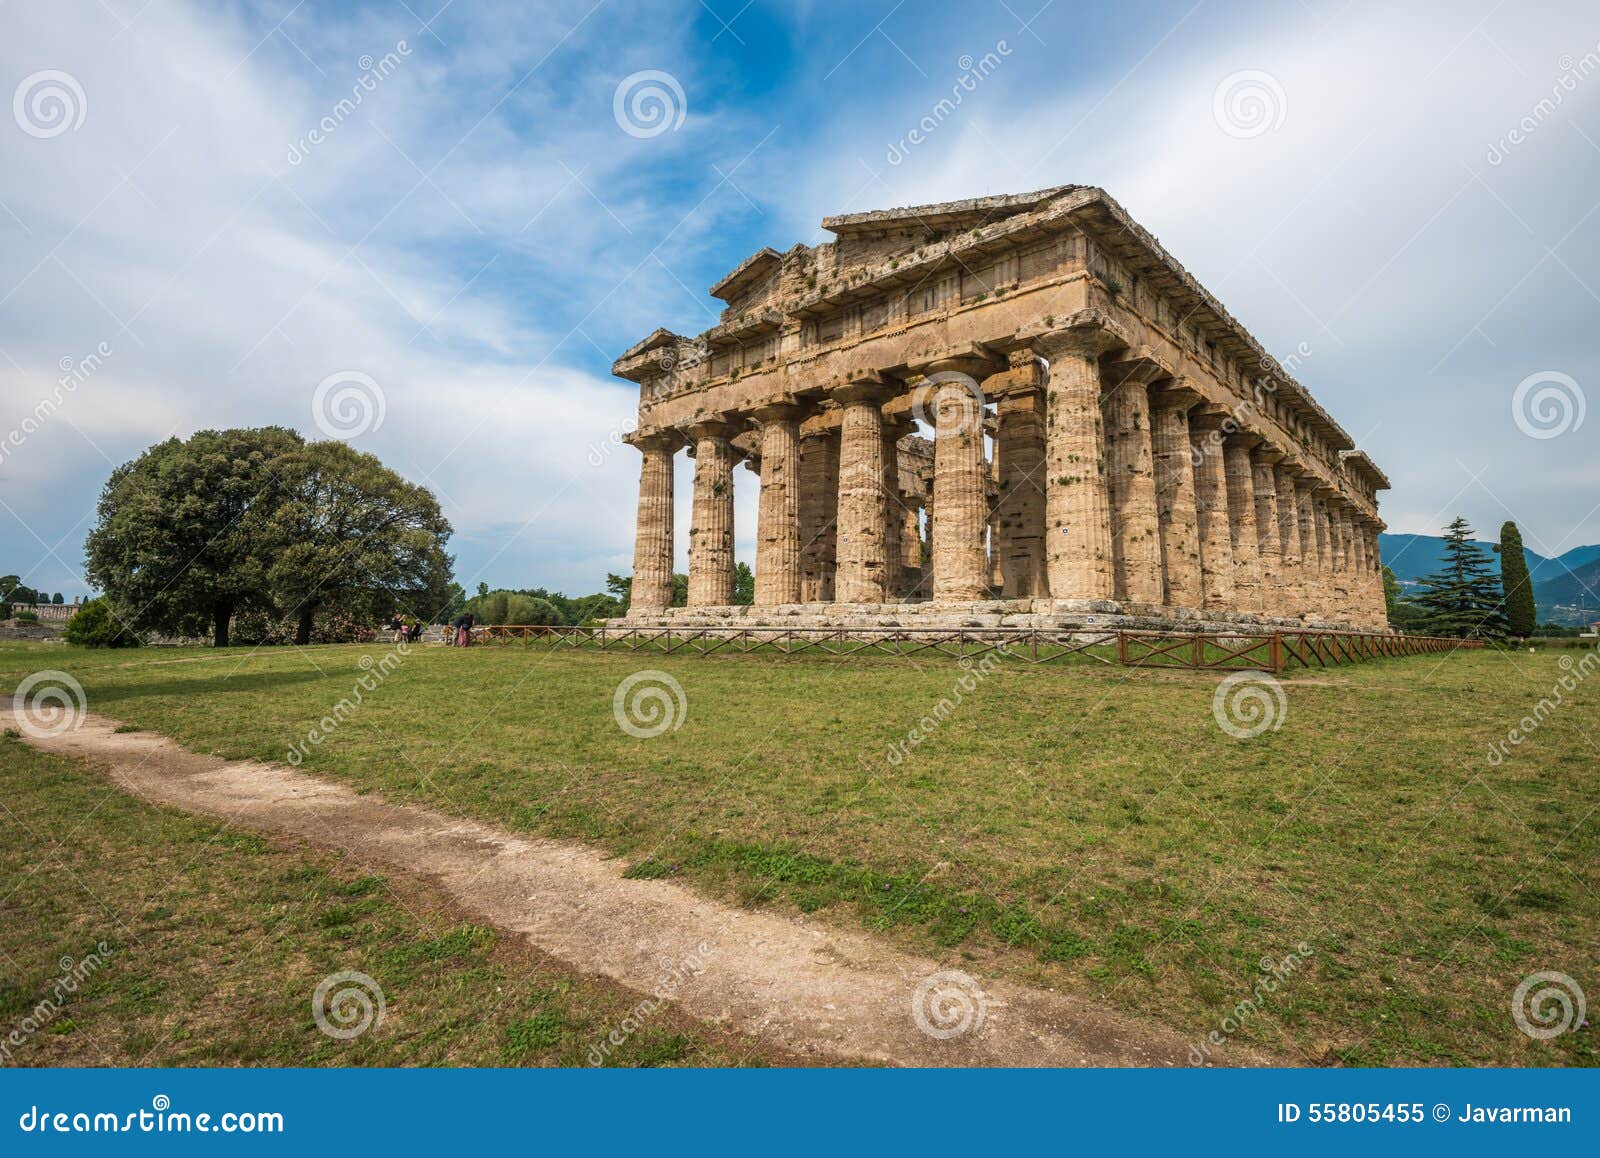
(479, 236)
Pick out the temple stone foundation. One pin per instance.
(1109, 447)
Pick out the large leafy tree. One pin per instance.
(347, 534)
(174, 549)
(1521, 615)
(1463, 598)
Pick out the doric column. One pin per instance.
(1311, 600)
(819, 508)
(1247, 592)
(1356, 560)
(1131, 480)
(1020, 512)
(1343, 558)
(1380, 604)
(711, 524)
(1324, 599)
(1290, 563)
(893, 509)
(1268, 546)
(960, 483)
(863, 529)
(1211, 511)
(1078, 557)
(652, 541)
(778, 516)
(1174, 470)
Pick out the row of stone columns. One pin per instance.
(1116, 482)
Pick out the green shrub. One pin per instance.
(95, 626)
(27, 617)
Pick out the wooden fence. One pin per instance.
(1203, 650)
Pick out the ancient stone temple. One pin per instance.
(1109, 446)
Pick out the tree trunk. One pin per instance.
(302, 631)
(222, 614)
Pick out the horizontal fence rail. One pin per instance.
(1198, 651)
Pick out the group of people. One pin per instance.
(408, 629)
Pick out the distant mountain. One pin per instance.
(1566, 589)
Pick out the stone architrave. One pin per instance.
(652, 544)
(711, 524)
(778, 515)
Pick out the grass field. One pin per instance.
(1079, 827)
(192, 944)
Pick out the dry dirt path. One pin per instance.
(814, 990)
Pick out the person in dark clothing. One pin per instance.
(463, 625)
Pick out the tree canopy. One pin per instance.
(1463, 598)
(1521, 616)
(196, 530)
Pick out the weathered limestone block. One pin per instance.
(652, 544)
(1175, 504)
(863, 523)
(1131, 481)
(1019, 515)
(960, 490)
(819, 510)
(1206, 432)
(711, 525)
(1268, 547)
(1240, 478)
(778, 515)
(1078, 557)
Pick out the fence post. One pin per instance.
(1122, 648)
(1276, 652)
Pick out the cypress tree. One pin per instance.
(1463, 598)
(1521, 616)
